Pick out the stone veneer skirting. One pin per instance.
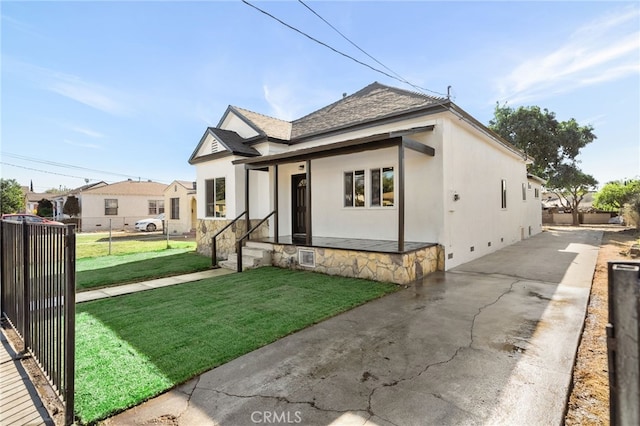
(398, 268)
(226, 242)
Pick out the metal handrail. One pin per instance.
(245, 236)
(214, 250)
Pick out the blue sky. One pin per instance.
(130, 87)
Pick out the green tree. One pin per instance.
(11, 196)
(614, 195)
(45, 208)
(571, 184)
(540, 135)
(71, 206)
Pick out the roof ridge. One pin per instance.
(259, 113)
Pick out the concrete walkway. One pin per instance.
(103, 293)
(490, 342)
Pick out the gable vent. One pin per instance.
(215, 147)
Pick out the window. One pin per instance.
(111, 207)
(536, 192)
(524, 192)
(354, 189)
(156, 207)
(215, 197)
(382, 187)
(503, 188)
(175, 208)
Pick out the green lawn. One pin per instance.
(133, 347)
(97, 244)
(106, 271)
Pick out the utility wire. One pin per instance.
(329, 47)
(44, 171)
(69, 166)
(400, 78)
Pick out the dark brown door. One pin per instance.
(299, 193)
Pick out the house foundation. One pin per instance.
(398, 268)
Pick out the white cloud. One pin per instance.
(603, 50)
(290, 101)
(87, 132)
(90, 94)
(73, 87)
(81, 144)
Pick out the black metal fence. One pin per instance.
(38, 298)
(623, 345)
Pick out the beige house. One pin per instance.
(119, 205)
(181, 208)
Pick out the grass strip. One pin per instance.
(96, 245)
(114, 270)
(131, 348)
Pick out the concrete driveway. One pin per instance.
(490, 342)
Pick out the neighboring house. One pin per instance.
(385, 184)
(180, 207)
(119, 205)
(59, 200)
(31, 200)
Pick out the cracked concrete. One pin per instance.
(490, 342)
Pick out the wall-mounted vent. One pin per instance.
(215, 147)
(450, 256)
(472, 248)
(489, 244)
(307, 258)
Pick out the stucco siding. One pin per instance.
(477, 224)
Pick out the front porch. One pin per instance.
(378, 260)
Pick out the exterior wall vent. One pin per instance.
(307, 258)
(214, 146)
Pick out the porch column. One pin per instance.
(275, 195)
(308, 203)
(400, 197)
(246, 198)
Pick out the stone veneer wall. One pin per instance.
(387, 267)
(226, 242)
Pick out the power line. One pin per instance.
(330, 47)
(400, 78)
(44, 171)
(69, 166)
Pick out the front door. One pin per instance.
(298, 203)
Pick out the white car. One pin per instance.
(150, 224)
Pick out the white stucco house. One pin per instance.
(180, 207)
(385, 184)
(119, 205)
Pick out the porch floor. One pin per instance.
(357, 244)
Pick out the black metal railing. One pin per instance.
(214, 246)
(37, 298)
(246, 237)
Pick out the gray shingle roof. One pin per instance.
(272, 127)
(374, 102)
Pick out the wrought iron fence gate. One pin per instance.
(37, 297)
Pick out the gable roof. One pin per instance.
(232, 141)
(130, 187)
(268, 126)
(374, 102)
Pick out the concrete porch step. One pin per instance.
(254, 255)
